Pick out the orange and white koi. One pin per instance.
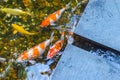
(35, 51)
(56, 47)
(14, 11)
(53, 17)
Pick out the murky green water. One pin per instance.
(11, 45)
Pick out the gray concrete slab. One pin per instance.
(100, 22)
(77, 64)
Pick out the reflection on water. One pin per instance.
(111, 58)
(35, 72)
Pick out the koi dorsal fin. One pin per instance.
(68, 5)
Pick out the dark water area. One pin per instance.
(89, 45)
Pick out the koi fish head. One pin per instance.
(45, 22)
(59, 44)
(14, 26)
(62, 35)
(4, 9)
(51, 53)
(55, 49)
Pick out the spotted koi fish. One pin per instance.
(35, 51)
(53, 17)
(56, 47)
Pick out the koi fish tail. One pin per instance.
(61, 28)
(79, 4)
(0, 9)
(32, 33)
(1, 6)
(28, 13)
(29, 33)
(52, 37)
(70, 38)
(76, 7)
(62, 35)
(68, 5)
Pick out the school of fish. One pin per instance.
(35, 51)
(21, 35)
(39, 49)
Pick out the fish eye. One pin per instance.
(59, 44)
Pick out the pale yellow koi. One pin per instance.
(14, 11)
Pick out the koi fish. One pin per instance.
(53, 17)
(14, 11)
(35, 51)
(56, 47)
(21, 30)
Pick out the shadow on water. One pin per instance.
(89, 45)
(111, 56)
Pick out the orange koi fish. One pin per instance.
(56, 47)
(53, 17)
(35, 51)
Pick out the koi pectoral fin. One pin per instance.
(32, 61)
(53, 24)
(59, 53)
(15, 31)
(8, 15)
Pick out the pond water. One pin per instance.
(21, 29)
(12, 45)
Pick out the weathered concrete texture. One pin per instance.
(100, 22)
(77, 64)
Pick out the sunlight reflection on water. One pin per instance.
(34, 72)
